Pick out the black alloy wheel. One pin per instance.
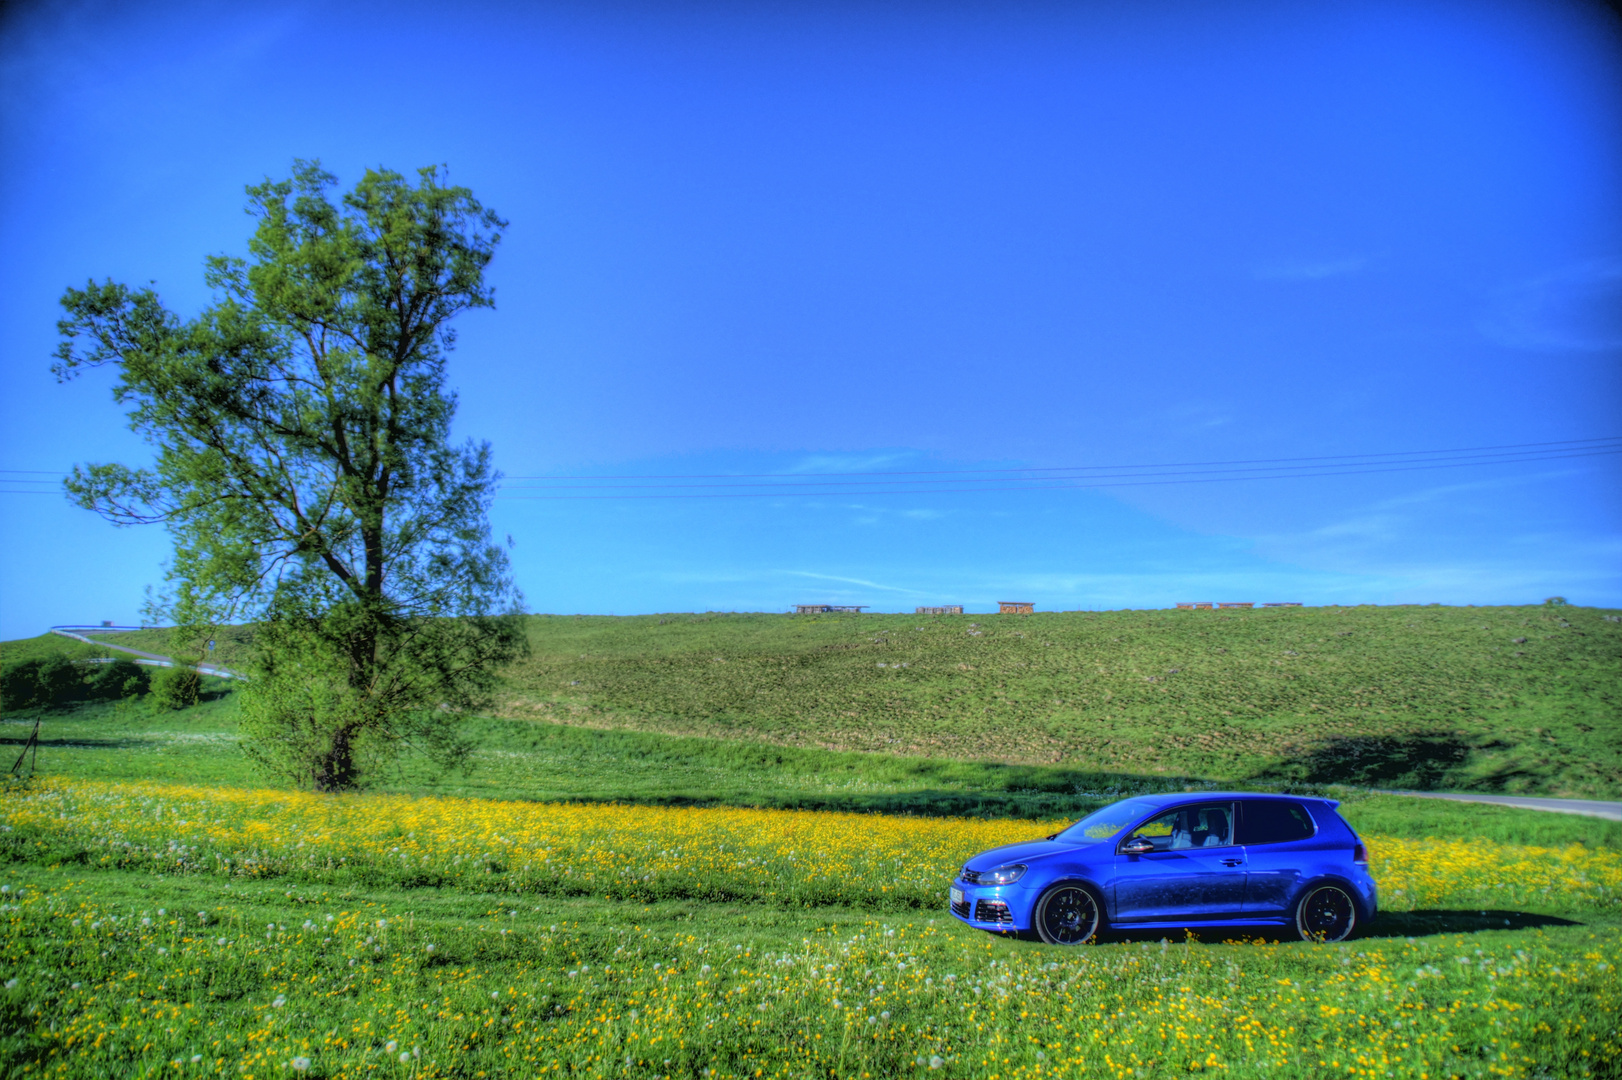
(1067, 915)
(1325, 913)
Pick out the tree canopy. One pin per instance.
(305, 470)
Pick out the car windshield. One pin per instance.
(1105, 823)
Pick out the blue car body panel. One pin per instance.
(1222, 882)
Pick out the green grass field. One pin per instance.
(131, 949)
(1519, 699)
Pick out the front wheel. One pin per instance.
(1067, 915)
(1325, 913)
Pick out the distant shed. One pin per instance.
(1016, 607)
(1284, 603)
(1238, 604)
(827, 609)
(945, 609)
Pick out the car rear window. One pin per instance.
(1273, 821)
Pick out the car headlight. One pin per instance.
(1003, 875)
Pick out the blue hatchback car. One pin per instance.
(1173, 861)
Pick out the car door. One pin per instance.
(1276, 835)
(1193, 869)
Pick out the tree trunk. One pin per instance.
(335, 770)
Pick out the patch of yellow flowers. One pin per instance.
(347, 988)
(784, 857)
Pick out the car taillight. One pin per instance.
(1360, 854)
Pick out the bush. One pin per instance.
(176, 688)
(60, 680)
(19, 685)
(119, 679)
(53, 680)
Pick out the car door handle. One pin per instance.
(1233, 862)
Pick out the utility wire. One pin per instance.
(1048, 478)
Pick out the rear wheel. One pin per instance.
(1067, 915)
(1325, 913)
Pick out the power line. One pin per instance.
(1047, 478)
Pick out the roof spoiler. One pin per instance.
(1333, 803)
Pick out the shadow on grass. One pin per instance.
(1388, 924)
(1030, 805)
(1419, 762)
(1446, 921)
(16, 742)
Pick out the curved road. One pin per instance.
(156, 659)
(1611, 811)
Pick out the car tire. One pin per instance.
(1325, 912)
(1068, 914)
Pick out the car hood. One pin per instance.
(1027, 852)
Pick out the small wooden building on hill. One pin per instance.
(1016, 607)
(827, 609)
(944, 609)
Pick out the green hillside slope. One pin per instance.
(1388, 696)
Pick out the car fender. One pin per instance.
(1312, 881)
(1100, 894)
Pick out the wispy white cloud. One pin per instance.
(1577, 308)
(863, 582)
(1310, 269)
(847, 463)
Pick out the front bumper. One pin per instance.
(990, 907)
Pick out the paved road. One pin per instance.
(156, 658)
(1611, 811)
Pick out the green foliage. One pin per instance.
(119, 678)
(304, 465)
(45, 682)
(19, 685)
(1495, 699)
(177, 687)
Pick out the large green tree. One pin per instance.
(305, 470)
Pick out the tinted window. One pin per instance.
(1272, 822)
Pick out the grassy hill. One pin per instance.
(1518, 699)
(1507, 698)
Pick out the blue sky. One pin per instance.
(894, 237)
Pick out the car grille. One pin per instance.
(971, 876)
(961, 909)
(992, 911)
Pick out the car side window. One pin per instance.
(1205, 826)
(1273, 821)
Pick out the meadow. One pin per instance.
(165, 928)
(680, 875)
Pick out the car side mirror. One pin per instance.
(1138, 845)
(1051, 836)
